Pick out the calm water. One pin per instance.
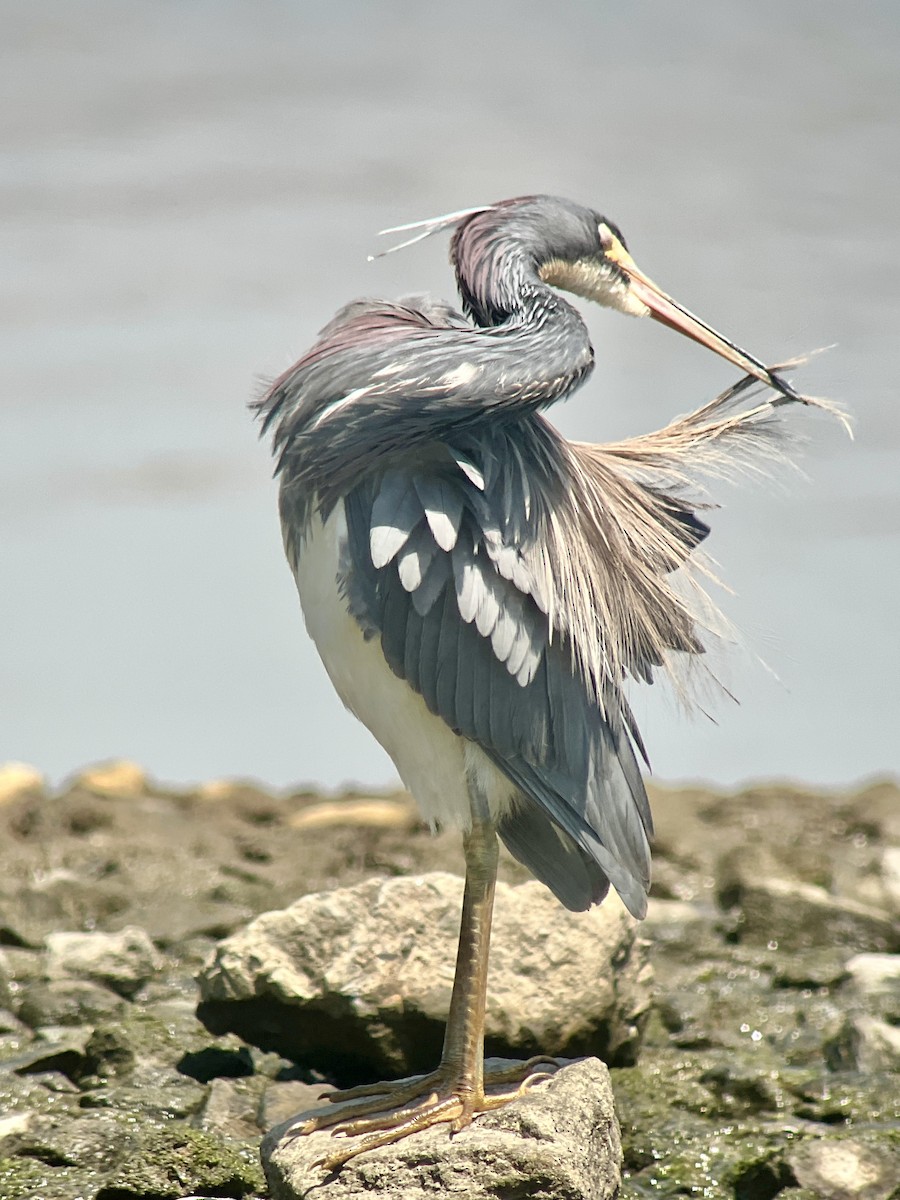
(188, 191)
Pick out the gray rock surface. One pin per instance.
(358, 980)
(66, 1002)
(845, 1169)
(877, 975)
(560, 1142)
(121, 961)
(748, 1071)
(799, 916)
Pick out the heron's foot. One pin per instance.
(379, 1114)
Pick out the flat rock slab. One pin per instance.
(560, 1140)
(356, 982)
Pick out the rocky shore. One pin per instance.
(751, 1024)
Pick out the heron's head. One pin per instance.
(581, 251)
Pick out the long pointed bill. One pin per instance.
(666, 310)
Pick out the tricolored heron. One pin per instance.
(480, 589)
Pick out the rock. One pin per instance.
(357, 982)
(845, 1169)
(10, 1025)
(5, 979)
(37, 1094)
(734, 1069)
(22, 966)
(15, 1123)
(819, 968)
(231, 1109)
(801, 916)
(284, 1099)
(865, 1044)
(66, 1002)
(890, 874)
(19, 779)
(64, 1053)
(837, 1101)
(876, 976)
(150, 1090)
(121, 961)
(396, 813)
(117, 777)
(559, 1140)
(663, 915)
(111, 1155)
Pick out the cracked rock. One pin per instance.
(356, 982)
(559, 1140)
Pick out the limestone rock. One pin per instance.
(866, 1044)
(117, 777)
(800, 916)
(356, 982)
(876, 976)
(121, 961)
(376, 811)
(231, 1108)
(283, 1099)
(559, 1140)
(890, 871)
(19, 779)
(845, 1169)
(69, 1002)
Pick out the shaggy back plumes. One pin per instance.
(622, 537)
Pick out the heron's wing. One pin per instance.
(462, 617)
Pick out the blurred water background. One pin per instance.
(189, 190)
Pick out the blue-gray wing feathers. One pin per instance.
(431, 567)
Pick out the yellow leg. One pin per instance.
(378, 1114)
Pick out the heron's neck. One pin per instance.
(540, 337)
(356, 400)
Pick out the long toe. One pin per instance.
(396, 1113)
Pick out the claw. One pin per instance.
(374, 1115)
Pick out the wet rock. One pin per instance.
(231, 1109)
(876, 977)
(110, 1052)
(11, 1025)
(66, 1002)
(21, 966)
(65, 1054)
(890, 874)
(750, 1052)
(283, 1099)
(38, 1094)
(15, 1123)
(818, 968)
(802, 916)
(150, 1090)
(121, 961)
(846, 1169)
(5, 979)
(865, 1044)
(109, 1156)
(357, 981)
(559, 1140)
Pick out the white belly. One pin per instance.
(430, 758)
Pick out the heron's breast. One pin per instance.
(430, 758)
